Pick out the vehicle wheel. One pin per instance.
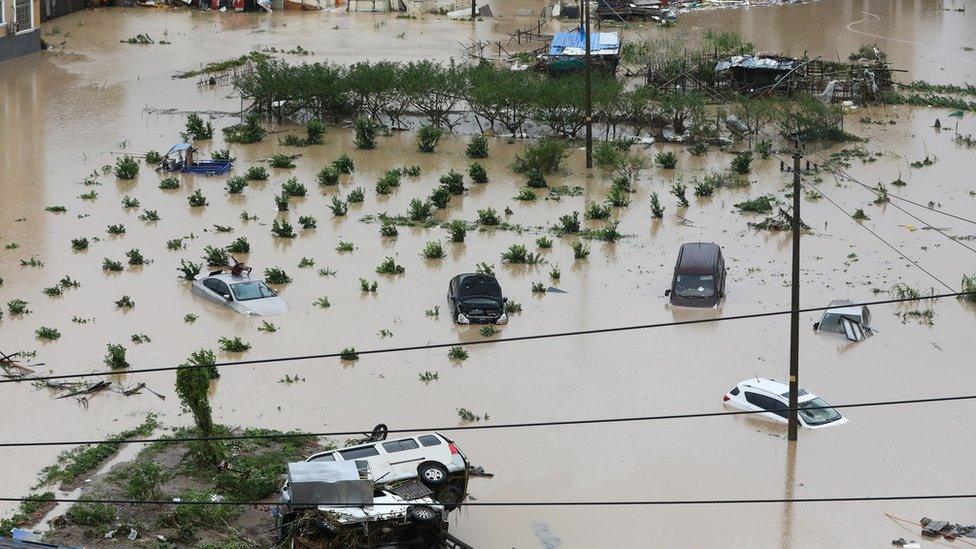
(379, 432)
(432, 474)
(422, 514)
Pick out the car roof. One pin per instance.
(231, 279)
(845, 307)
(391, 439)
(773, 386)
(698, 258)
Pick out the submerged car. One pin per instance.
(699, 276)
(843, 317)
(476, 298)
(328, 504)
(241, 293)
(772, 399)
(431, 457)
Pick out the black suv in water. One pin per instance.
(476, 298)
(699, 276)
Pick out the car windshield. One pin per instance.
(820, 416)
(691, 285)
(479, 286)
(480, 302)
(255, 289)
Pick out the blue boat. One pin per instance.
(180, 159)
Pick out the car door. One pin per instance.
(369, 461)
(771, 405)
(212, 285)
(404, 456)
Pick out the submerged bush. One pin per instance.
(365, 134)
(433, 250)
(477, 147)
(115, 357)
(328, 176)
(760, 204)
(453, 182)
(343, 164)
(126, 167)
(256, 173)
(428, 137)
(518, 254)
(667, 160)
(276, 275)
(489, 217)
(742, 162)
(389, 266)
(248, 132)
(197, 129)
(477, 173)
(545, 156)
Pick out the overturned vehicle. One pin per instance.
(395, 493)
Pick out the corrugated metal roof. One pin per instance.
(754, 62)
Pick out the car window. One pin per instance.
(401, 445)
(686, 285)
(429, 440)
(211, 284)
(734, 391)
(325, 457)
(222, 288)
(767, 403)
(355, 453)
(254, 289)
(821, 415)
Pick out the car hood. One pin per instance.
(263, 307)
(682, 301)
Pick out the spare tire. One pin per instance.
(432, 474)
(379, 432)
(422, 514)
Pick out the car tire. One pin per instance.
(422, 514)
(432, 474)
(379, 433)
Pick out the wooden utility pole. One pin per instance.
(589, 92)
(474, 9)
(795, 301)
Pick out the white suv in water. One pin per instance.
(772, 398)
(431, 457)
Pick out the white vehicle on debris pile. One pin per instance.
(771, 399)
(240, 292)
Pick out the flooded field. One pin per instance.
(69, 111)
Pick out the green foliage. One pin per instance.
(389, 266)
(485, 268)
(135, 257)
(307, 222)
(328, 176)
(338, 206)
(764, 148)
(150, 216)
(222, 154)
(617, 197)
(457, 353)
(538, 288)
(189, 269)
(116, 229)
(458, 229)
(440, 197)
(477, 147)
(742, 162)
(419, 210)
(609, 154)
(518, 254)
(760, 204)
(453, 182)
(667, 160)
(125, 302)
(365, 134)
(543, 242)
(388, 229)
(367, 286)
(17, 307)
(216, 256)
(193, 388)
(256, 173)
(26, 511)
(388, 181)
(234, 345)
(248, 132)
(343, 164)
(239, 245)
(111, 265)
(93, 515)
(197, 200)
(197, 129)
(153, 157)
(281, 161)
(62, 209)
(597, 211)
(477, 173)
(428, 137)
(322, 302)
(293, 188)
(355, 196)
(276, 275)
(236, 184)
(344, 246)
(47, 333)
(678, 189)
(79, 243)
(580, 250)
(433, 250)
(704, 188)
(969, 288)
(489, 217)
(535, 180)
(348, 353)
(545, 156)
(126, 167)
(525, 194)
(115, 357)
(569, 224)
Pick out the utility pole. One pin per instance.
(589, 93)
(795, 302)
(474, 9)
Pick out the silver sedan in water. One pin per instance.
(244, 294)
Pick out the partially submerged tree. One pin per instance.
(193, 387)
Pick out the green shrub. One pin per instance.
(197, 200)
(525, 194)
(149, 216)
(477, 173)
(115, 229)
(328, 176)
(94, 515)
(365, 134)
(344, 246)
(49, 334)
(127, 202)
(433, 250)
(293, 188)
(125, 302)
(457, 353)
(339, 207)
(236, 184)
(111, 265)
(742, 162)
(276, 275)
(760, 204)
(428, 137)
(343, 164)
(144, 480)
(969, 288)
(704, 188)
(764, 148)
(169, 184)
(281, 161)
(535, 180)
(135, 257)
(234, 344)
(115, 357)
(678, 189)
(197, 129)
(282, 228)
(189, 269)
(153, 157)
(545, 156)
(543, 242)
(477, 147)
(667, 160)
(366, 286)
(388, 181)
(256, 173)
(518, 254)
(222, 154)
(248, 132)
(388, 229)
(126, 167)
(389, 266)
(458, 229)
(597, 211)
(307, 222)
(617, 197)
(453, 182)
(489, 217)
(17, 307)
(580, 250)
(356, 195)
(240, 245)
(79, 243)
(440, 197)
(607, 154)
(314, 132)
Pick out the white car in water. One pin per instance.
(242, 293)
(772, 398)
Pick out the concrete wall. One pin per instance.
(15, 45)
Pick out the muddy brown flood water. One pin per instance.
(68, 112)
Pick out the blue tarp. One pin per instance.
(603, 42)
(179, 148)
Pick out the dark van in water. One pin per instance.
(699, 276)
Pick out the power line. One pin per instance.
(570, 503)
(522, 425)
(478, 342)
(876, 235)
(845, 174)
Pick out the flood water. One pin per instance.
(70, 111)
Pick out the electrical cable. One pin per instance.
(483, 341)
(485, 427)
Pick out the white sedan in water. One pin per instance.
(244, 294)
(770, 399)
